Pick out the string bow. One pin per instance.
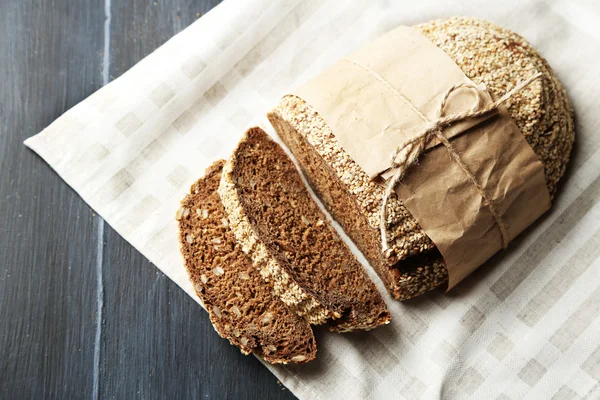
(408, 153)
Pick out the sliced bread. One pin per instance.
(240, 304)
(486, 53)
(274, 217)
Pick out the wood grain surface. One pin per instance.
(82, 313)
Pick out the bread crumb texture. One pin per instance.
(290, 241)
(241, 305)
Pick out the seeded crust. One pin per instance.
(241, 306)
(290, 241)
(487, 54)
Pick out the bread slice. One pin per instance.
(241, 305)
(290, 241)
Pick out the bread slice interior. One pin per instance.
(240, 304)
(284, 231)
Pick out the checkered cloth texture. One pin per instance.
(524, 326)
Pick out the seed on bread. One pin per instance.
(244, 276)
(181, 213)
(236, 311)
(267, 317)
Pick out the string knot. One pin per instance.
(408, 153)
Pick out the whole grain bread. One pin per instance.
(241, 306)
(486, 53)
(290, 241)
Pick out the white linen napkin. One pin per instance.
(526, 325)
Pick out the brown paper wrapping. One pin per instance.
(370, 102)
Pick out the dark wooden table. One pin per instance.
(83, 314)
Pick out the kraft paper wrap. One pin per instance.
(369, 100)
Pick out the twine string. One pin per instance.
(408, 153)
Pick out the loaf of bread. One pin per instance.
(487, 54)
(288, 237)
(241, 305)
